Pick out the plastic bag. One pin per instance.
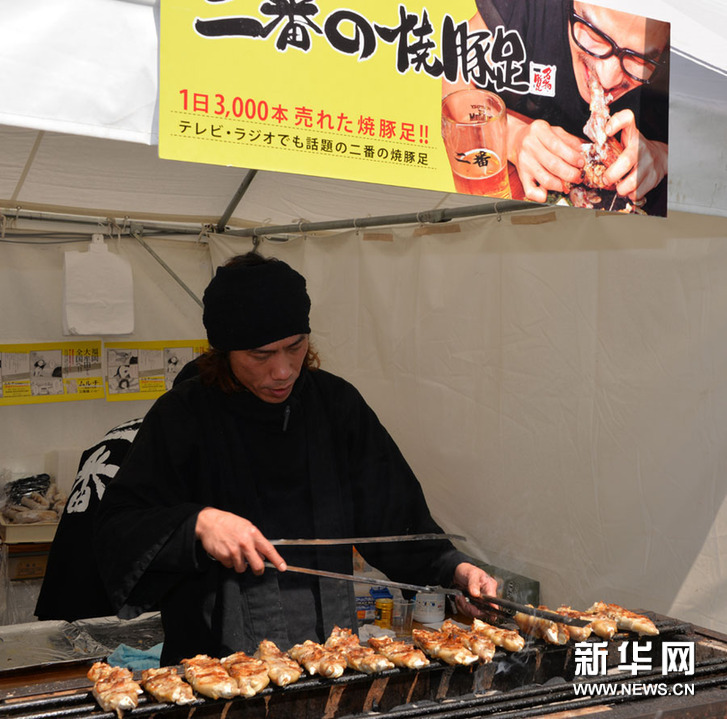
(32, 499)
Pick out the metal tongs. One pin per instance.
(480, 602)
(363, 540)
(483, 602)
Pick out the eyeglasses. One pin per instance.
(597, 44)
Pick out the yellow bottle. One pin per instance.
(383, 613)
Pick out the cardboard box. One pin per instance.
(27, 561)
(24, 533)
(365, 608)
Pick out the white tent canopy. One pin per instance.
(558, 388)
(90, 68)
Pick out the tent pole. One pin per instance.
(427, 216)
(136, 234)
(235, 201)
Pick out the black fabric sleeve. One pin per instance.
(182, 552)
(148, 511)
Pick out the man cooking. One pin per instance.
(262, 444)
(583, 44)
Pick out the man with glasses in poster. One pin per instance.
(580, 45)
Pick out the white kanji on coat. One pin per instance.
(92, 476)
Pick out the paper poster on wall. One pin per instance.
(554, 101)
(145, 370)
(50, 372)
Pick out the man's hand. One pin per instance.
(235, 542)
(475, 582)
(546, 156)
(642, 164)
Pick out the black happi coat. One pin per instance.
(318, 465)
(72, 588)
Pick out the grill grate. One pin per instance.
(536, 683)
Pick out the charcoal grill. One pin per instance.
(538, 681)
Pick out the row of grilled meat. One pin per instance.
(242, 675)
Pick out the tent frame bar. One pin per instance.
(411, 218)
(127, 225)
(136, 228)
(123, 226)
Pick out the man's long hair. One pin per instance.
(214, 365)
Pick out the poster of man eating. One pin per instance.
(587, 106)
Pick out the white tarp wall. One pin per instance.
(558, 388)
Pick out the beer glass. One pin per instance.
(401, 617)
(474, 130)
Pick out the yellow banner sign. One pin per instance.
(50, 372)
(146, 370)
(441, 96)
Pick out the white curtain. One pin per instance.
(558, 388)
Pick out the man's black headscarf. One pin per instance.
(253, 301)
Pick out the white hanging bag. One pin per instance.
(98, 292)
